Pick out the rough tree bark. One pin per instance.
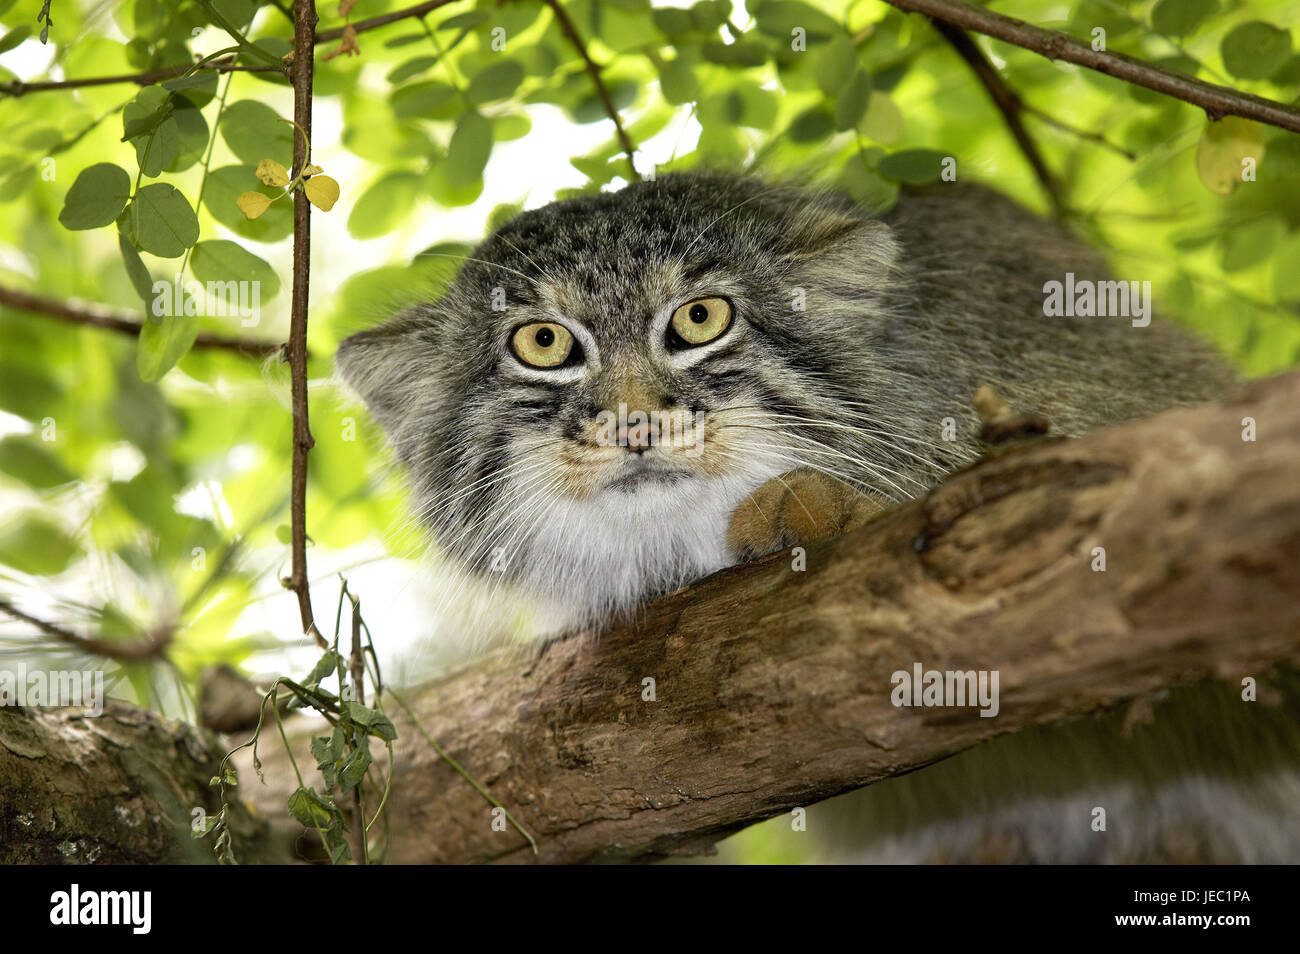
(772, 685)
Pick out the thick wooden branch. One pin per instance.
(122, 787)
(772, 686)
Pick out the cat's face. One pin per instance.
(608, 377)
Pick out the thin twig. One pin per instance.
(357, 665)
(18, 87)
(151, 647)
(98, 316)
(1008, 103)
(304, 37)
(571, 32)
(361, 26)
(1217, 101)
(1087, 134)
(147, 78)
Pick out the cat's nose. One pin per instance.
(637, 438)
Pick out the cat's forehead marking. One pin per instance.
(619, 299)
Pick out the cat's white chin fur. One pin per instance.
(596, 558)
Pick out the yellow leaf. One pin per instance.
(322, 192)
(1223, 149)
(253, 204)
(311, 170)
(272, 173)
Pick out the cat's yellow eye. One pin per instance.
(543, 344)
(699, 322)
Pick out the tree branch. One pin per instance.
(99, 317)
(1217, 101)
(1008, 103)
(304, 38)
(361, 26)
(151, 647)
(148, 77)
(120, 788)
(571, 32)
(772, 686)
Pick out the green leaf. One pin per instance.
(191, 136)
(144, 114)
(413, 67)
(835, 67)
(1255, 50)
(709, 15)
(851, 104)
(429, 100)
(883, 121)
(164, 221)
(1181, 17)
(238, 12)
(97, 197)
(383, 206)
(510, 126)
(136, 270)
(219, 260)
(672, 21)
(1252, 243)
(464, 21)
(32, 544)
(161, 345)
(14, 37)
(812, 125)
(677, 81)
(354, 767)
(745, 105)
(29, 462)
(780, 18)
(325, 666)
(159, 149)
(374, 721)
(469, 149)
(27, 391)
(311, 809)
(254, 132)
(915, 166)
(498, 81)
(223, 189)
(1286, 277)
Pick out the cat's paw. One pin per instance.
(797, 507)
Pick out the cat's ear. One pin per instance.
(831, 245)
(383, 366)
